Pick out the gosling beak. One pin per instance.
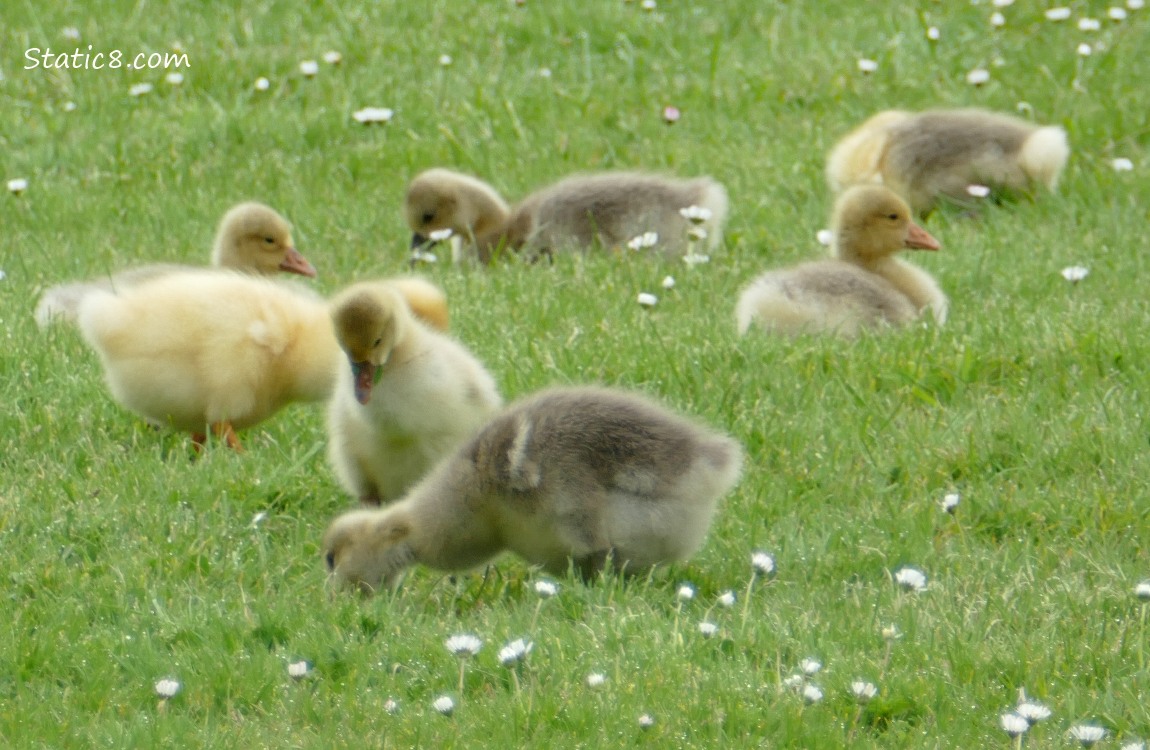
(417, 241)
(294, 262)
(918, 238)
(365, 374)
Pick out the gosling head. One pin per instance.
(872, 222)
(369, 320)
(253, 237)
(433, 204)
(367, 549)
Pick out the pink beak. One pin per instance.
(918, 238)
(364, 373)
(294, 262)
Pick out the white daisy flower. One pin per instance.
(1058, 14)
(727, 598)
(644, 241)
(515, 652)
(71, 33)
(997, 20)
(544, 72)
(3, 275)
(309, 68)
(863, 691)
(298, 670)
(762, 563)
(174, 79)
(139, 89)
(1089, 24)
(978, 76)
(444, 705)
(1086, 734)
(810, 666)
(1116, 14)
(1013, 724)
(978, 191)
(331, 57)
(812, 694)
(867, 66)
(950, 501)
(696, 234)
(891, 633)
(1122, 164)
(825, 237)
(464, 645)
(167, 687)
(686, 592)
(1135, 745)
(933, 34)
(1003, 3)
(696, 214)
(17, 186)
(646, 299)
(69, 106)
(423, 256)
(646, 721)
(391, 706)
(262, 84)
(370, 115)
(696, 259)
(708, 629)
(546, 589)
(1142, 591)
(596, 679)
(671, 114)
(1085, 50)
(668, 282)
(445, 60)
(794, 682)
(909, 578)
(1135, 4)
(1074, 274)
(1033, 712)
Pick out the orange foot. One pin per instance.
(221, 431)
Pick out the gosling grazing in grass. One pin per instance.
(252, 238)
(862, 287)
(405, 397)
(211, 351)
(571, 476)
(577, 213)
(216, 351)
(940, 153)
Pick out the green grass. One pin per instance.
(126, 562)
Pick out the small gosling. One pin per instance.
(585, 476)
(409, 396)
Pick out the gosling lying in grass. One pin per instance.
(940, 153)
(580, 212)
(251, 238)
(584, 476)
(406, 395)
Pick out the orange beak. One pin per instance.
(294, 262)
(918, 238)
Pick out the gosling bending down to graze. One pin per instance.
(409, 397)
(583, 476)
(940, 153)
(252, 238)
(862, 287)
(576, 213)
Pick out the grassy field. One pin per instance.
(125, 562)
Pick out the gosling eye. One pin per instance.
(270, 240)
(329, 558)
(892, 217)
(378, 341)
(428, 216)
